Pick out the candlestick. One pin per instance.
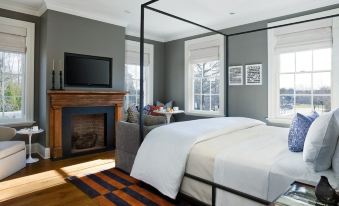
(61, 87)
(53, 80)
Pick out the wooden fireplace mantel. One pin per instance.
(72, 98)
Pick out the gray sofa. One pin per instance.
(127, 144)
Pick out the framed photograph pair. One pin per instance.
(253, 75)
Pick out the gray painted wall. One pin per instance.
(36, 20)
(159, 68)
(61, 33)
(247, 101)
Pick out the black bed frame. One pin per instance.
(214, 185)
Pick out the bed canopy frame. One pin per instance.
(146, 5)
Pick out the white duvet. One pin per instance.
(246, 166)
(162, 157)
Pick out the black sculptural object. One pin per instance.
(61, 86)
(325, 193)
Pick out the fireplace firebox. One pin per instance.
(87, 130)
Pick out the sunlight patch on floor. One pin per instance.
(86, 168)
(36, 182)
(28, 184)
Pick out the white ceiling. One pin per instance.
(211, 13)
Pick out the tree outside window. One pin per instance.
(11, 85)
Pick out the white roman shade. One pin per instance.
(12, 38)
(204, 54)
(300, 37)
(133, 58)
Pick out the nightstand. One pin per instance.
(299, 194)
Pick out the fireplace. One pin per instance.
(87, 130)
(61, 100)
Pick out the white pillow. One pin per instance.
(335, 161)
(321, 141)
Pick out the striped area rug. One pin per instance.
(113, 187)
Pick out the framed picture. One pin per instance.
(235, 75)
(254, 74)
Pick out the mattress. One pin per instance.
(269, 150)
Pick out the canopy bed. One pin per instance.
(218, 158)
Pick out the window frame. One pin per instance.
(204, 42)
(274, 72)
(29, 73)
(134, 46)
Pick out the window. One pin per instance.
(16, 71)
(204, 75)
(132, 73)
(303, 68)
(305, 81)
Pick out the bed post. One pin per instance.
(141, 103)
(214, 195)
(142, 41)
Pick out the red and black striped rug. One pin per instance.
(113, 187)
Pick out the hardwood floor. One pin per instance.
(43, 183)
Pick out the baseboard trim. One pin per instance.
(39, 149)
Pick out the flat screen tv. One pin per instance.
(87, 71)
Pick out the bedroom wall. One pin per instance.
(245, 49)
(61, 33)
(36, 20)
(247, 101)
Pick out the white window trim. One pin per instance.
(148, 49)
(29, 72)
(196, 43)
(273, 73)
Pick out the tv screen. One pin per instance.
(89, 71)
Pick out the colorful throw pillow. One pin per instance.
(149, 120)
(167, 105)
(147, 109)
(298, 131)
(154, 108)
(132, 114)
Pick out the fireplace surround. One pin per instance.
(62, 99)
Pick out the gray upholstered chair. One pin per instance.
(12, 153)
(127, 144)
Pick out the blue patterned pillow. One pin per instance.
(314, 115)
(298, 131)
(147, 109)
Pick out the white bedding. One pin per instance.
(287, 168)
(161, 159)
(237, 152)
(245, 166)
